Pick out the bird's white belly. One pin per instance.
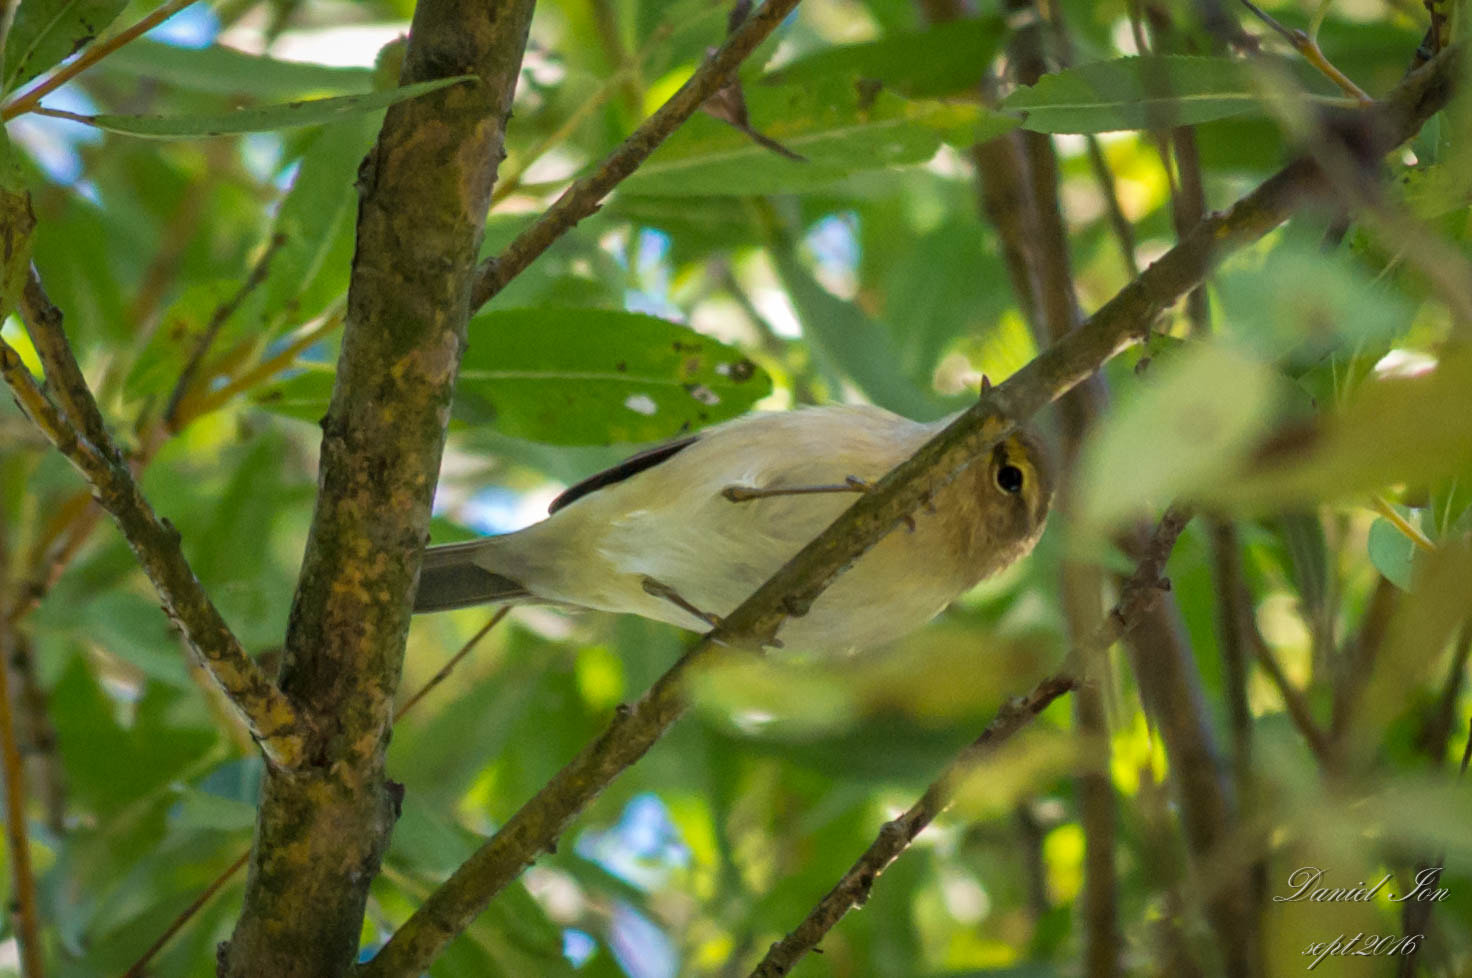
(866, 605)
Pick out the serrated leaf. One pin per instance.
(260, 118)
(944, 59)
(46, 32)
(839, 129)
(225, 71)
(577, 377)
(1152, 92)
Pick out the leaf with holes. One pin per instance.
(577, 377)
(46, 32)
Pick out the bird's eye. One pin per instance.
(1009, 479)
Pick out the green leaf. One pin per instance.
(315, 217)
(1450, 502)
(225, 71)
(46, 32)
(578, 377)
(944, 59)
(1296, 300)
(260, 118)
(1142, 93)
(1395, 430)
(1196, 417)
(837, 128)
(1392, 552)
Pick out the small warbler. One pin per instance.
(685, 532)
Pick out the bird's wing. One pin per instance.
(632, 465)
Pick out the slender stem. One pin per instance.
(217, 322)
(1138, 596)
(585, 196)
(139, 968)
(273, 720)
(455, 660)
(1407, 529)
(1309, 49)
(26, 917)
(31, 99)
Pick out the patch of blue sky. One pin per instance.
(639, 946)
(192, 27)
(55, 144)
(637, 300)
(577, 946)
(651, 276)
(643, 848)
(260, 154)
(833, 243)
(498, 510)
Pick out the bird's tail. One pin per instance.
(451, 578)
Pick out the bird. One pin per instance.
(684, 532)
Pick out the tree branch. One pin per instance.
(585, 196)
(425, 189)
(1118, 324)
(272, 720)
(852, 890)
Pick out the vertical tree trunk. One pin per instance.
(425, 188)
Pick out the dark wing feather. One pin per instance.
(632, 465)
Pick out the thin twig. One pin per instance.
(37, 733)
(31, 99)
(63, 375)
(1124, 231)
(1293, 699)
(508, 181)
(25, 915)
(852, 889)
(218, 319)
(261, 372)
(1407, 529)
(274, 722)
(1309, 49)
(585, 196)
(139, 968)
(1356, 662)
(455, 660)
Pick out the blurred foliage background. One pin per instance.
(724, 277)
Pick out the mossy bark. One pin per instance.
(425, 188)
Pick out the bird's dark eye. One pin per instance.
(1009, 479)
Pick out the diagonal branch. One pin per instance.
(272, 720)
(1138, 596)
(584, 197)
(1118, 324)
